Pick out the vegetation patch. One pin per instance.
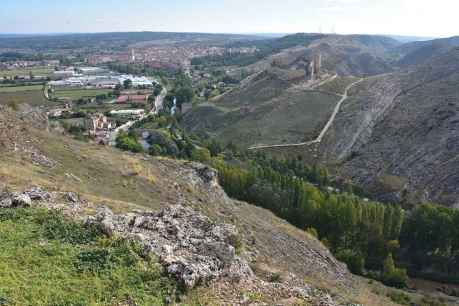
(46, 259)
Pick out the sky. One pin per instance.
(427, 18)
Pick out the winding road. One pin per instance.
(324, 130)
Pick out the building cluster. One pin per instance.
(96, 77)
(166, 57)
(28, 64)
(100, 127)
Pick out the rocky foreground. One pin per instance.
(190, 247)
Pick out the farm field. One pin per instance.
(31, 97)
(37, 71)
(8, 89)
(80, 93)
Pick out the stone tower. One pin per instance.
(315, 67)
(318, 64)
(132, 55)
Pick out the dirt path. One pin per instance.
(324, 130)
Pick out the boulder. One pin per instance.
(37, 194)
(21, 200)
(5, 200)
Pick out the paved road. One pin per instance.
(125, 127)
(324, 130)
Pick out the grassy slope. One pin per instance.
(46, 260)
(293, 117)
(266, 111)
(338, 85)
(33, 97)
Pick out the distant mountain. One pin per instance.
(115, 40)
(408, 39)
(421, 51)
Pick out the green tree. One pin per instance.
(201, 155)
(128, 142)
(127, 84)
(393, 276)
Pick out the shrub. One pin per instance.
(201, 155)
(92, 261)
(128, 142)
(313, 232)
(155, 150)
(400, 298)
(393, 276)
(3, 301)
(275, 278)
(55, 227)
(355, 262)
(431, 302)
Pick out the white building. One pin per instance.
(133, 113)
(136, 81)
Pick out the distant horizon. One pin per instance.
(413, 18)
(273, 34)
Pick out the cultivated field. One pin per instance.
(10, 89)
(31, 97)
(75, 94)
(36, 71)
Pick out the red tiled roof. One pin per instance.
(122, 99)
(135, 98)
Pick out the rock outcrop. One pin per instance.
(188, 244)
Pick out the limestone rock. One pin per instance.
(21, 200)
(188, 244)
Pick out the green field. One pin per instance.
(31, 97)
(37, 71)
(46, 259)
(8, 89)
(75, 94)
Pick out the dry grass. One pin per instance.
(126, 181)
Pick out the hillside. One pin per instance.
(394, 134)
(419, 52)
(358, 55)
(398, 133)
(126, 183)
(274, 107)
(279, 103)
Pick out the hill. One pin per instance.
(129, 183)
(357, 55)
(274, 107)
(271, 109)
(419, 52)
(279, 103)
(397, 134)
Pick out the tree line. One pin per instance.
(381, 241)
